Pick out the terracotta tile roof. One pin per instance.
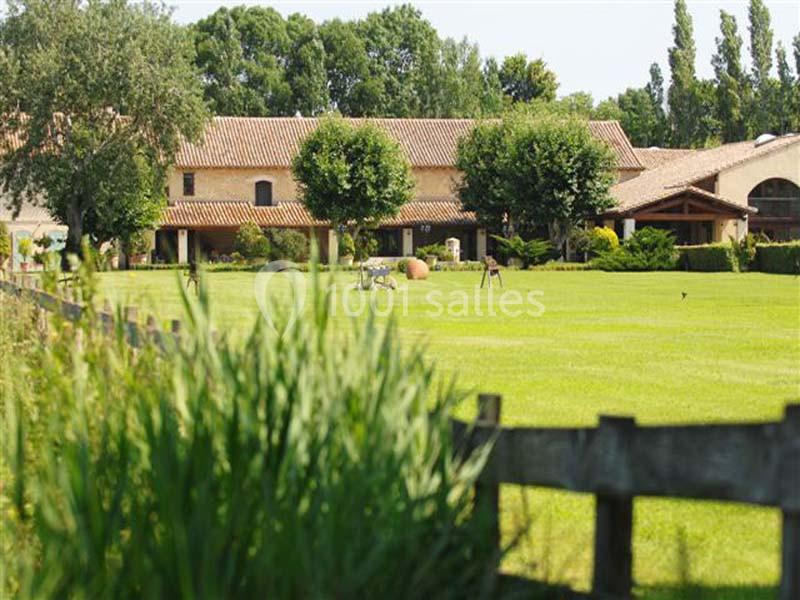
(229, 214)
(655, 184)
(613, 134)
(652, 158)
(252, 142)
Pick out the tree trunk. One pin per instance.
(74, 235)
(558, 235)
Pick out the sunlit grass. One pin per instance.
(607, 343)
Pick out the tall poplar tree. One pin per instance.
(761, 58)
(655, 89)
(788, 105)
(682, 90)
(731, 82)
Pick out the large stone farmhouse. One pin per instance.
(241, 172)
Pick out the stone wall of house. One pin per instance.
(240, 184)
(736, 183)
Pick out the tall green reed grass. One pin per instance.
(309, 465)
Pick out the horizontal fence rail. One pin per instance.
(136, 334)
(615, 461)
(619, 460)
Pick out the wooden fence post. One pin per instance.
(613, 560)
(487, 495)
(790, 479)
(132, 324)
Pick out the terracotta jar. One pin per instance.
(416, 269)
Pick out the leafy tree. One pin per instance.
(761, 58)
(640, 119)
(352, 91)
(527, 174)
(492, 101)
(461, 80)
(241, 54)
(787, 104)
(796, 46)
(578, 103)
(305, 66)
(683, 89)
(524, 81)
(655, 89)
(108, 92)
(403, 50)
(731, 81)
(352, 176)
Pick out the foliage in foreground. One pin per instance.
(302, 465)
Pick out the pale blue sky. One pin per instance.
(597, 46)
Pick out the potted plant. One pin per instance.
(136, 247)
(432, 254)
(347, 250)
(25, 249)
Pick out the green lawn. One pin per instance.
(621, 343)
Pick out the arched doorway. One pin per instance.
(778, 204)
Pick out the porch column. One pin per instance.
(481, 244)
(183, 246)
(408, 241)
(628, 227)
(741, 229)
(333, 247)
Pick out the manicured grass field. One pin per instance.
(664, 347)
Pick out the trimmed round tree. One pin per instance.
(352, 176)
(534, 172)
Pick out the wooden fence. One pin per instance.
(616, 461)
(619, 460)
(28, 286)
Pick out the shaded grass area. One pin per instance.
(664, 347)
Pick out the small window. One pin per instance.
(188, 184)
(263, 193)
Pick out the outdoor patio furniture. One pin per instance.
(491, 267)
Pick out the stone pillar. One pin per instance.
(408, 241)
(741, 229)
(183, 246)
(333, 246)
(481, 244)
(628, 227)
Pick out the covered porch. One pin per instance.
(694, 215)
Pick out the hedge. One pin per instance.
(708, 257)
(778, 258)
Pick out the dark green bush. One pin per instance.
(648, 249)
(314, 464)
(251, 242)
(778, 258)
(531, 252)
(287, 244)
(708, 257)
